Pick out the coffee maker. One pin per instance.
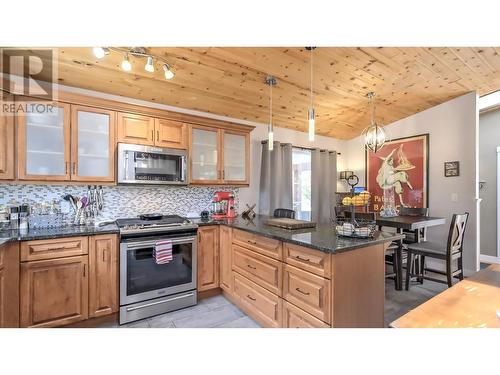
(223, 205)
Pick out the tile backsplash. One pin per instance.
(121, 201)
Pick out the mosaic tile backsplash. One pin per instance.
(121, 201)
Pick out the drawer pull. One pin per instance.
(252, 242)
(301, 291)
(251, 298)
(251, 267)
(57, 248)
(302, 259)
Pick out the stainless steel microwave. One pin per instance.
(138, 164)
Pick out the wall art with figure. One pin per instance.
(401, 169)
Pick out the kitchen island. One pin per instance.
(298, 278)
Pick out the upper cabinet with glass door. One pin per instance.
(205, 167)
(92, 144)
(44, 144)
(219, 156)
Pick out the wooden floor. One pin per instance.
(218, 312)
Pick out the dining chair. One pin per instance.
(284, 212)
(449, 252)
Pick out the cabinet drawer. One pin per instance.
(310, 260)
(53, 248)
(259, 303)
(307, 291)
(263, 245)
(293, 317)
(262, 270)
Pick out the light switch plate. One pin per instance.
(454, 197)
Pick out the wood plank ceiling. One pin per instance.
(230, 81)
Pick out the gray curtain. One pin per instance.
(323, 185)
(275, 178)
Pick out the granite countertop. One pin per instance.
(48, 233)
(323, 237)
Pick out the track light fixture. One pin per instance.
(149, 67)
(126, 65)
(168, 72)
(100, 52)
(136, 52)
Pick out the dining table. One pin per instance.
(409, 223)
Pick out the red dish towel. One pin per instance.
(163, 252)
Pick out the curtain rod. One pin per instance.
(301, 147)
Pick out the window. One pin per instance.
(301, 180)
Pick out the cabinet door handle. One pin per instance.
(57, 248)
(74, 167)
(84, 270)
(252, 242)
(104, 255)
(152, 135)
(157, 136)
(301, 291)
(67, 167)
(250, 297)
(223, 174)
(302, 259)
(251, 267)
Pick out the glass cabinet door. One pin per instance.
(235, 155)
(92, 139)
(44, 144)
(204, 155)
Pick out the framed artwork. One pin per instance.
(403, 165)
(451, 169)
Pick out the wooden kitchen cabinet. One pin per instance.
(43, 141)
(171, 134)
(92, 144)
(136, 129)
(219, 156)
(208, 257)
(235, 157)
(225, 258)
(7, 145)
(103, 275)
(53, 248)
(9, 285)
(293, 317)
(54, 292)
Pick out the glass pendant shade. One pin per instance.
(311, 125)
(270, 140)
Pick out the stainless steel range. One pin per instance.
(146, 287)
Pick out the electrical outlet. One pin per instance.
(454, 197)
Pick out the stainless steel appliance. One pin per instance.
(148, 288)
(138, 164)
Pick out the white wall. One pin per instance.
(453, 135)
(489, 140)
(250, 195)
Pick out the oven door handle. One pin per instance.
(138, 245)
(159, 302)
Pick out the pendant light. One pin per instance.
(310, 112)
(373, 134)
(271, 81)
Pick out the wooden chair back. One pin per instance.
(284, 212)
(456, 233)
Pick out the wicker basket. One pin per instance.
(358, 229)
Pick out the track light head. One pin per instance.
(169, 74)
(100, 52)
(149, 67)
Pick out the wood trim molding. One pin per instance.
(92, 101)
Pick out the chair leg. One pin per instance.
(409, 262)
(422, 268)
(448, 273)
(395, 268)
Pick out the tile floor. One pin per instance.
(218, 312)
